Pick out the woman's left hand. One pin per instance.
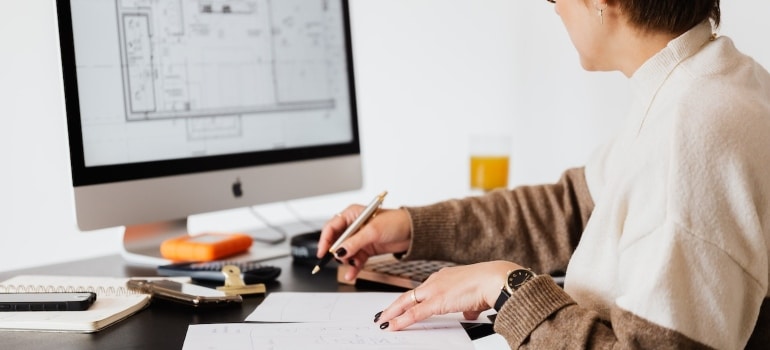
(471, 289)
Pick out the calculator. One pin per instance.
(385, 269)
(251, 271)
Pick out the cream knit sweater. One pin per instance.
(665, 235)
(680, 233)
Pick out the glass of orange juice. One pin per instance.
(490, 161)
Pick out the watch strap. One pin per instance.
(508, 288)
(504, 296)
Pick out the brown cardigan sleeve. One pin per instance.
(536, 226)
(540, 315)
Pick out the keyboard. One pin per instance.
(385, 269)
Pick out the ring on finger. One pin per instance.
(414, 296)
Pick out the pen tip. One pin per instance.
(316, 269)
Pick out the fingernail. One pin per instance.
(352, 262)
(340, 253)
(384, 325)
(377, 316)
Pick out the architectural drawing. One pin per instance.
(184, 59)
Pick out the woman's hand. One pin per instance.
(389, 231)
(471, 289)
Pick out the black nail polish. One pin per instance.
(352, 262)
(341, 252)
(377, 316)
(384, 325)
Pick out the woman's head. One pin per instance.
(622, 34)
(668, 16)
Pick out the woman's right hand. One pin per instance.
(389, 231)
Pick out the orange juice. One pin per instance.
(489, 172)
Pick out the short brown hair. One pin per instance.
(672, 16)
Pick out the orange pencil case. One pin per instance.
(205, 247)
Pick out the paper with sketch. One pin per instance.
(426, 335)
(324, 307)
(321, 307)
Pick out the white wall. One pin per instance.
(428, 71)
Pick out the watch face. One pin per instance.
(518, 277)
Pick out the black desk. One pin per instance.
(160, 326)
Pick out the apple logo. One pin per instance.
(237, 190)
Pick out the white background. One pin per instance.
(429, 73)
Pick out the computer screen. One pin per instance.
(181, 107)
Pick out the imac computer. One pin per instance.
(183, 107)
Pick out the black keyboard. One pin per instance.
(251, 271)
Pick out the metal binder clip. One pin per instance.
(234, 283)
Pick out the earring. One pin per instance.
(600, 12)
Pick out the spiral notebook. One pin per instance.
(114, 302)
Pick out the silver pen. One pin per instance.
(365, 215)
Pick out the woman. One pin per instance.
(664, 234)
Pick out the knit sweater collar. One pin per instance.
(654, 72)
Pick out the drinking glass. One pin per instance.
(489, 161)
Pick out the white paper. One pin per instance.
(332, 321)
(325, 307)
(321, 307)
(491, 342)
(426, 335)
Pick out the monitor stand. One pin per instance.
(141, 243)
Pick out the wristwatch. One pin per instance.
(513, 281)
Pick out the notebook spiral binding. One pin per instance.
(101, 290)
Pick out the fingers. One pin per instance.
(355, 244)
(334, 228)
(467, 289)
(357, 262)
(388, 232)
(471, 315)
(409, 308)
(414, 306)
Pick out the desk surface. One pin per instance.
(160, 326)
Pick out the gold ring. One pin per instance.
(414, 296)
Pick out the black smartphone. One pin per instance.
(185, 293)
(77, 301)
